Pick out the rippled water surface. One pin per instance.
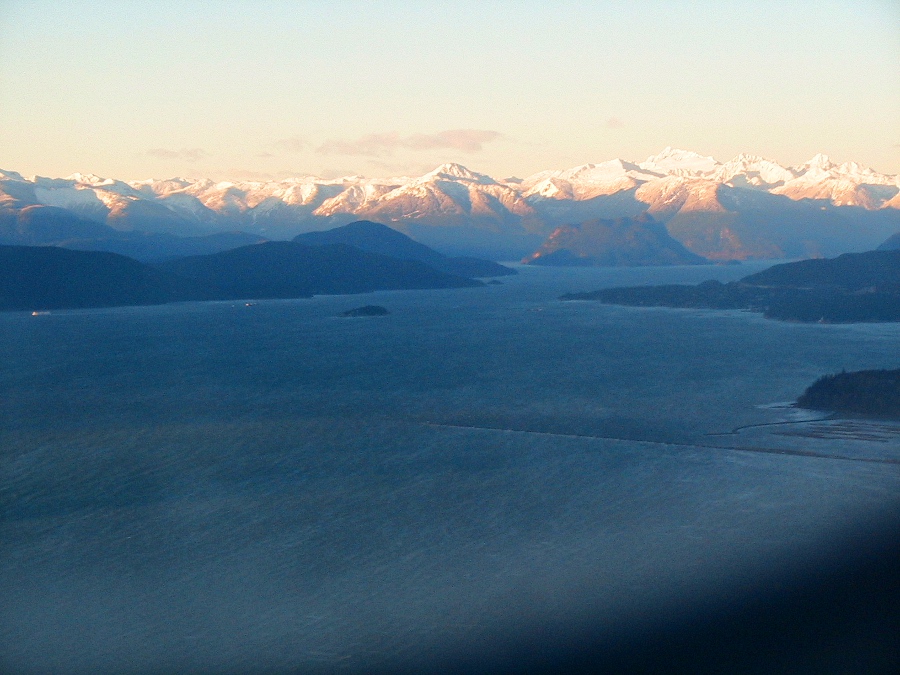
(223, 486)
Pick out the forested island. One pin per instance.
(357, 258)
(874, 393)
(47, 277)
(852, 288)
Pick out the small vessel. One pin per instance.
(39, 313)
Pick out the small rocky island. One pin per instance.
(366, 310)
(873, 393)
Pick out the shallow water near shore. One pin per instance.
(222, 487)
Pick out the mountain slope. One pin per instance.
(891, 244)
(35, 224)
(622, 242)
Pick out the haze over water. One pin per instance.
(224, 486)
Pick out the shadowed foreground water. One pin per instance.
(222, 488)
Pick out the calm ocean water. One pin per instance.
(211, 487)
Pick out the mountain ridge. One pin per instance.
(834, 207)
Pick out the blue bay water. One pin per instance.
(213, 486)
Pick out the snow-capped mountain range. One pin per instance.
(746, 207)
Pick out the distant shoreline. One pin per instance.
(852, 288)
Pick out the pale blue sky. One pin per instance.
(242, 89)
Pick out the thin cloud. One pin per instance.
(466, 140)
(292, 144)
(187, 154)
(380, 145)
(392, 169)
(614, 123)
(372, 145)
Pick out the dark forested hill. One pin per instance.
(372, 237)
(865, 392)
(46, 277)
(377, 238)
(284, 269)
(850, 272)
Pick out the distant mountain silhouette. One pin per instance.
(158, 247)
(284, 269)
(50, 226)
(619, 242)
(40, 225)
(377, 238)
(854, 287)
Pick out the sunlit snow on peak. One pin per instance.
(674, 160)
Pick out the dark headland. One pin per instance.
(873, 393)
(46, 277)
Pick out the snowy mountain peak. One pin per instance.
(453, 171)
(673, 160)
(820, 162)
(753, 171)
(614, 165)
(90, 179)
(673, 153)
(672, 184)
(821, 168)
(14, 175)
(745, 158)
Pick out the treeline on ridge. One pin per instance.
(865, 392)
